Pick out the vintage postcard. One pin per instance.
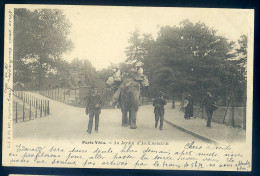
(128, 87)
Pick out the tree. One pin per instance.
(139, 46)
(242, 53)
(163, 64)
(192, 58)
(40, 38)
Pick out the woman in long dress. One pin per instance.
(188, 107)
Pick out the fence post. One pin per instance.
(232, 113)
(64, 95)
(48, 107)
(58, 94)
(202, 111)
(69, 97)
(30, 111)
(36, 110)
(41, 109)
(244, 114)
(75, 94)
(16, 112)
(45, 107)
(23, 111)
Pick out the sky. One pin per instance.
(100, 33)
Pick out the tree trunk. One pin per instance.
(232, 112)
(244, 113)
(40, 73)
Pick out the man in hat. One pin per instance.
(158, 104)
(209, 104)
(93, 109)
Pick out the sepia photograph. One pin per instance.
(173, 85)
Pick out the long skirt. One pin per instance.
(188, 112)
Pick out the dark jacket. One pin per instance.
(91, 102)
(158, 104)
(208, 102)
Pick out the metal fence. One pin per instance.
(62, 94)
(27, 107)
(73, 97)
(235, 117)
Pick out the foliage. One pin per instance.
(191, 58)
(40, 38)
(242, 53)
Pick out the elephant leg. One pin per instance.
(133, 119)
(130, 118)
(124, 118)
(127, 119)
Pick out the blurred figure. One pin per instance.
(188, 107)
(114, 82)
(210, 107)
(158, 104)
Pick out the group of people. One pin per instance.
(135, 72)
(207, 102)
(94, 101)
(94, 105)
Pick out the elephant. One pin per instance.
(129, 102)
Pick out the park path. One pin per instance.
(67, 122)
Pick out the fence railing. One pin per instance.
(229, 116)
(62, 94)
(73, 97)
(27, 107)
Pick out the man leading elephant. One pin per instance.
(93, 109)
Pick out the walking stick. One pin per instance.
(101, 97)
(225, 114)
(197, 113)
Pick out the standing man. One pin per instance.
(209, 104)
(158, 104)
(93, 109)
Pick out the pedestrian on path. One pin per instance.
(210, 107)
(188, 107)
(93, 109)
(158, 104)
